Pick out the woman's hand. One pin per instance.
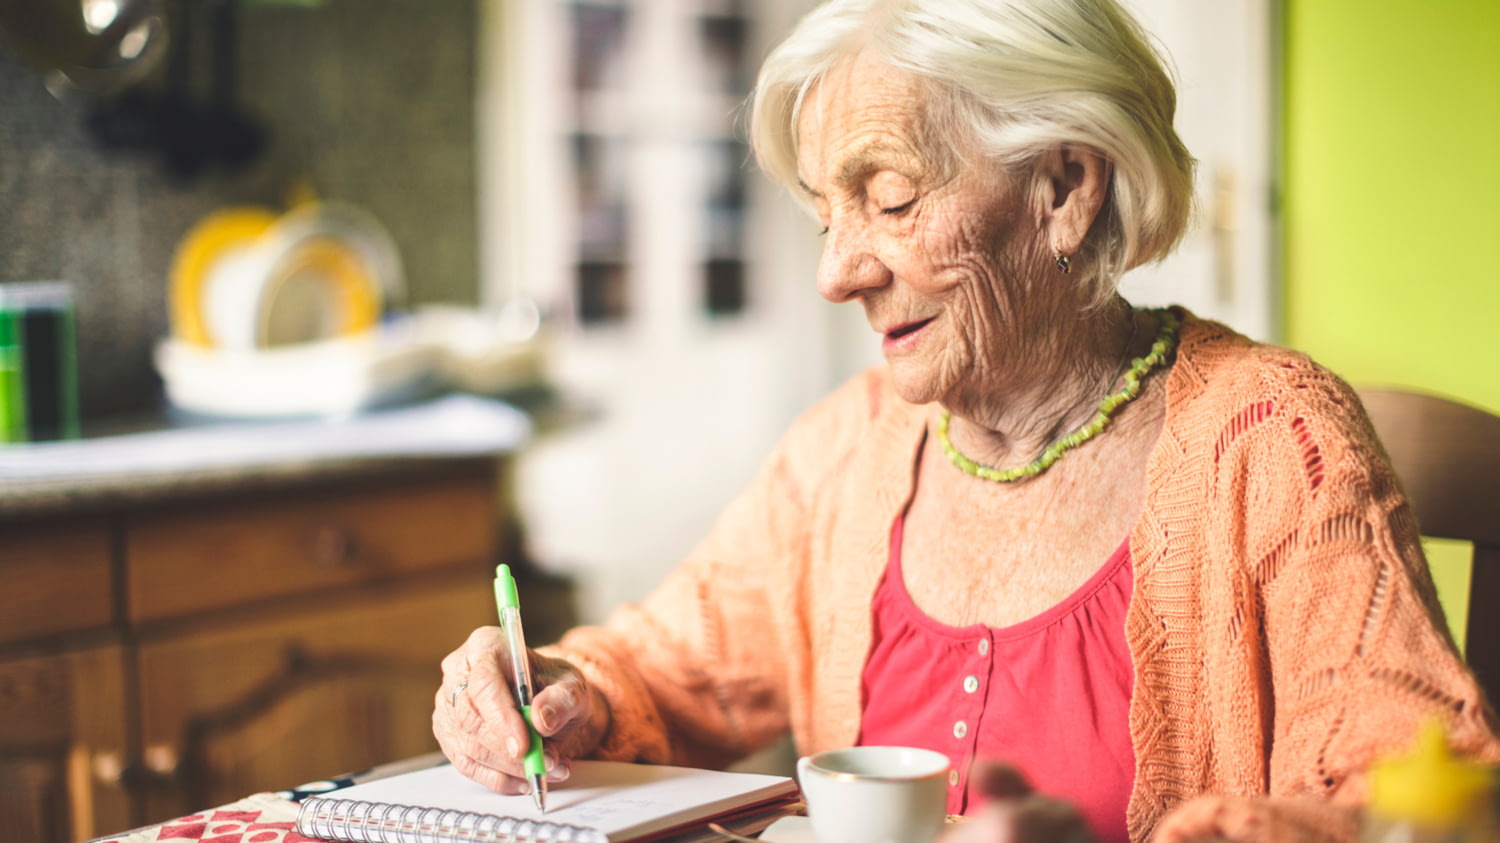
(1014, 813)
(1208, 817)
(479, 728)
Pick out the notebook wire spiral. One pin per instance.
(385, 822)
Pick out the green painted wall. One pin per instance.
(1392, 202)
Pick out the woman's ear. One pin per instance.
(1075, 181)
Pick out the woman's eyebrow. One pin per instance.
(875, 155)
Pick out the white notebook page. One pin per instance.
(621, 800)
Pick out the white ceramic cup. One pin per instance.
(875, 794)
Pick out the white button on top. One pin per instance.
(971, 684)
(960, 729)
(984, 646)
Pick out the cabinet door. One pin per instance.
(285, 701)
(62, 746)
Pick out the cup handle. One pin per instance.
(802, 764)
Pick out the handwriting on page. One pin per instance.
(598, 812)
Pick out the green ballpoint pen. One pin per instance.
(509, 605)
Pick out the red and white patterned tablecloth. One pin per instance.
(261, 818)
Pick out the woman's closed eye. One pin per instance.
(893, 211)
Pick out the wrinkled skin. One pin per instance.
(954, 268)
(480, 729)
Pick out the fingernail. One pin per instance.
(549, 761)
(560, 773)
(544, 716)
(513, 747)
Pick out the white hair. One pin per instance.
(1008, 81)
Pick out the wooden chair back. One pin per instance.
(1447, 455)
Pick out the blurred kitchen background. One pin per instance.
(360, 101)
(571, 176)
(587, 156)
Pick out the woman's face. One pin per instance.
(932, 256)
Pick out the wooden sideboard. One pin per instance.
(163, 655)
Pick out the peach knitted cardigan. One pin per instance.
(1283, 625)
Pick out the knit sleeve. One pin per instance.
(1335, 589)
(1359, 649)
(697, 673)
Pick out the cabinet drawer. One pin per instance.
(214, 557)
(57, 579)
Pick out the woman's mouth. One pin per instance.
(904, 336)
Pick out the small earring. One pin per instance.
(1063, 263)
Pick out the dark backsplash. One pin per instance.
(368, 101)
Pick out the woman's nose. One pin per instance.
(847, 268)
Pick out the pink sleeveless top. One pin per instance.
(1050, 695)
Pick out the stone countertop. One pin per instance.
(51, 477)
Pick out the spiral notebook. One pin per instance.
(601, 802)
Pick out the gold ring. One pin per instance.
(453, 699)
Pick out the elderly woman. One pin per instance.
(1163, 571)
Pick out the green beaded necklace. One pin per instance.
(1166, 340)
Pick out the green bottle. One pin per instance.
(12, 375)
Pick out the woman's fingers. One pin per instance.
(452, 740)
(1042, 819)
(484, 713)
(1211, 817)
(480, 728)
(490, 693)
(1027, 819)
(571, 714)
(477, 762)
(474, 716)
(563, 702)
(998, 780)
(1012, 812)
